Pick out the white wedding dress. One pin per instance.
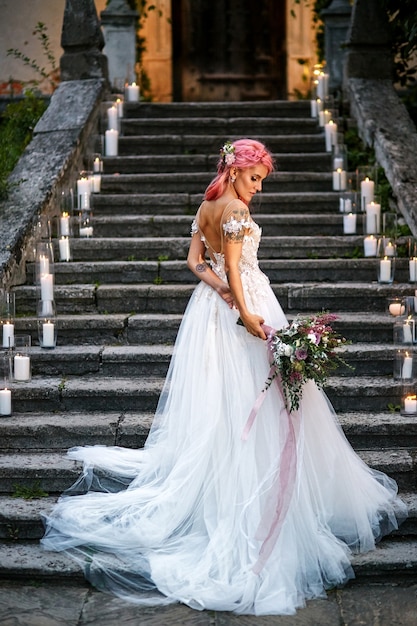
(207, 517)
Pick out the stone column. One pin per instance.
(82, 41)
(368, 42)
(336, 24)
(119, 27)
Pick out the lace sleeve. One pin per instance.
(194, 228)
(236, 223)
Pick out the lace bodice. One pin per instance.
(253, 279)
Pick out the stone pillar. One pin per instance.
(119, 27)
(336, 25)
(369, 42)
(82, 41)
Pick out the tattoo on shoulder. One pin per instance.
(235, 237)
(201, 267)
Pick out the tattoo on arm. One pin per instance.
(201, 267)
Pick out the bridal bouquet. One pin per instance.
(302, 351)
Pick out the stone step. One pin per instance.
(88, 392)
(321, 203)
(174, 272)
(364, 393)
(121, 225)
(155, 328)
(379, 431)
(133, 164)
(176, 143)
(273, 108)
(393, 560)
(176, 248)
(171, 299)
(153, 360)
(52, 432)
(196, 182)
(223, 128)
(97, 392)
(53, 472)
(40, 431)
(20, 519)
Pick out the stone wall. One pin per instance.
(384, 124)
(50, 162)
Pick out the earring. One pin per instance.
(232, 179)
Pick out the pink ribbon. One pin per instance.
(282, 487)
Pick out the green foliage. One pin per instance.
(394, 408)
(403, 26)
(16, 129)
(49, 74)
(358, 152)
(32, 492)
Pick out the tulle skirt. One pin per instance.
(213, 515)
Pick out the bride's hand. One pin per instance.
(225, 293)
(253, 324)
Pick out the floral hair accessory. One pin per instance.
(228, 153)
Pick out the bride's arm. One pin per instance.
(197, 264)
(232, 247)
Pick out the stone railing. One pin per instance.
(384, 124)
(49, 163)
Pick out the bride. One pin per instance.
(209, 513)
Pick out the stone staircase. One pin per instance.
(120, 303)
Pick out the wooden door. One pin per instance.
(229, 50)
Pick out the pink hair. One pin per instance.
(248, 153)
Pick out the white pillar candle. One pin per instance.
(323, 85)
(86, 231)
(339, 180)
(370, 245)
(330, 134)
(389, 249)
(48, 335)
(47, 287)
(349, 224)
(373, 218)
(64, 222)
(119, 105)
(111, 142)
(407, 333)
(84, 201)
(367, 192)
(324, 117)
(21, 367)
(64, 249)
(313, 108)
(347, 205)
(410, 404)
(43, 264)
(338, 163)
(112, 117)
(413, 269)
(132, 93)
(83, 186)
(396, 308)
(96, 183)
(385, 270)
(407, 369)
(5, 402)
(97, 165)
(8, 335)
